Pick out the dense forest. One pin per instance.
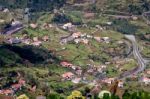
(33, 4)
(131, 6)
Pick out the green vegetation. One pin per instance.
(146, 51)
(124, 26)
(61, 18)
(8, 57)
(112, 71)
(35, 5)
(40, 66)
(128, 6)
(16, 54)
(76, 17)
(136, 95)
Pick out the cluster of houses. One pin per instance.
(13, 88)
(25, 39)
(84, 38)
(145, 78)
(43, 26)
(35, 41)
(75, 76)
(93, 70)
(109, 81)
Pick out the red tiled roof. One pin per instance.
(16, 86)
(67, 75)
(7, 91)
(66, 64)
(22, 82)
(76, 35)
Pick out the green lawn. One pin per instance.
(130, 65)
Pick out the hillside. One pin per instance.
(64, 49)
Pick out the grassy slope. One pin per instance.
(72, 51)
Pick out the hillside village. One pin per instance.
(90, 51)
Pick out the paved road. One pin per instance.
(141, 61)
(12, 29)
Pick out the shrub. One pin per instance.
(76, 95)
(61, 18)
(124, 26)
(54, 96)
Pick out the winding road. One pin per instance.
(141, 61)
(12, 29)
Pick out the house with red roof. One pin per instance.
(16, 86)
(68, 75)
(76, 34)
(22, 82)
(66, 64)
(7, 91)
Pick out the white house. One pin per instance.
(67, 26)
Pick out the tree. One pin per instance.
(104, 94)
(54, 96)
(124, 26)
(76, 95)
(22, 97)
(61, 18)
(36, 5)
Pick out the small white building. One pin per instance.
(83, 35)
(67, 26)
(14, 23)
(76, 80)
(77, 41)
(109, 23)
(32, 25)
(120, 84)
(106, 39)
(89, 36)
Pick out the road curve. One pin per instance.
(141, 61)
